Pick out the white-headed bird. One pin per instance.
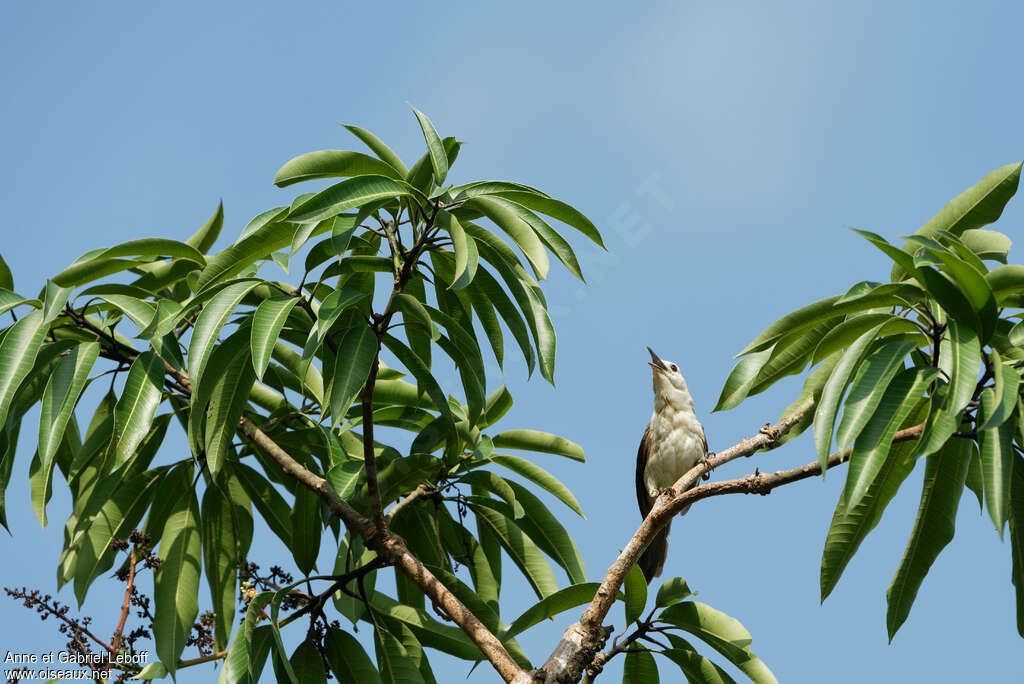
(672, 444)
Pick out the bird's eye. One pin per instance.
(674, 368)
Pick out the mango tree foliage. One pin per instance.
(938, 347)
(401, 275)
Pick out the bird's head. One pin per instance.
(668, 381)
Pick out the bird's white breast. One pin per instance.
(675, 448)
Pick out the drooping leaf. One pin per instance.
(640, 668)
(356, 353)
(176, 594)
(945, 472)
(209, 324)
(137, 406)
(960, 357)
(267, 322)
(902, 396)
(996, 448)
(867, 389)
(18, 352)
(1017, 538)
(540, 477)
(722, 633)
(636, 594)
(60, 396)
(348, 661)
(520, 548)
(519, 230)
(835, 388)
(558, 602)
(535, 440)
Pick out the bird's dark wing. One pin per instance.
(641, 465)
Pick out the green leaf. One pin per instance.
(960, 355)
(6, 279)
(204, 238)
(268, 501)
(220, 559)
(60, 396)
(741, 379)
(520, 548)
(944, 475)
(548, 235)
(307, 663)
(349, 194)
(436, 151)
(975, 289)
(555, 209)
(697, 668)
(996, 447)
(975, 207)
(636, 594)
(518, 229)
(332, 164)
(112, 511)
(466, 254)
(1017, 538)
(639, 668)
(306, 529)
(245, 659)
(487, 290)
(176, 583)
(1006, 383)
(331, 308)
(464, 351)
(209, 323)
(267, 322)
(549, 534)
(137, 406)
(812, 314)
(393, 661)
(260, 244)
(430, 632)
(558, 602)
(835, 387)
(424, 379)
(103, 262)
(18, 352)
(901, 397)
(378, 148)
(671, 592)
(356, 353)
(986, 244)
(540, 477)
(228, 396)
(535, 440)
(722, 633)
(868, 386)
(348, 661)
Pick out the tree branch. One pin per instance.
(584, 639)
(392, 549)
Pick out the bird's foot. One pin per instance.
(706, 462)
(768, 431)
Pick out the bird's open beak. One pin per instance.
(657, 364)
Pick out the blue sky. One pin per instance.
(721, 148)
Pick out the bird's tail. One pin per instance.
(652, 560)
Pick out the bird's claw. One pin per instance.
(706, 462)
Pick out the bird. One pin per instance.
(673, 443)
